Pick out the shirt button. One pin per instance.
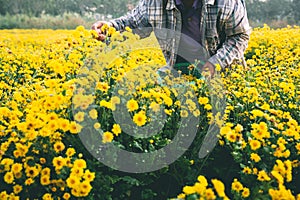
(189, 19)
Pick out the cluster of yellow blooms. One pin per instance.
(262, 115)
(201, 188)
(37, 72)
(45, 98)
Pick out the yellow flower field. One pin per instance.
(46, 101)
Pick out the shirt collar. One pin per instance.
(171, 3)
(196, 3)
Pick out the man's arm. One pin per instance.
(134, 19)
(237, 31)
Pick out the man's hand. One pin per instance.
(208, 70)
(97, 27)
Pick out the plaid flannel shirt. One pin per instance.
(225, 22)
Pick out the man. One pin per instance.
(219, 26)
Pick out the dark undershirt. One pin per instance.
(190, 47)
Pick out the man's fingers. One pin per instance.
(97, 27)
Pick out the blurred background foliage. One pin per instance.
(67, 14)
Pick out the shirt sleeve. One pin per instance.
(134, 19)
(237, 30)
